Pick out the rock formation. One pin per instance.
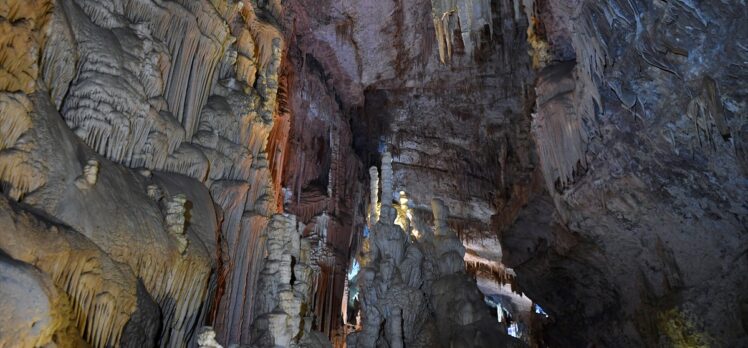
(417, 293)
(180, 173)
(637, 130)
(285, 287)
(139, 84)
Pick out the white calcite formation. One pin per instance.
(285, 286)
(90, 174)
(415, 293)
(466, 18)
(176, 219)
(374, 194)
(597, 147)
(206, 338)
(181, 91)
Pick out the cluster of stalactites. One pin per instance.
(24, 27)
(465, 18)
(444, 25)
(102, 292)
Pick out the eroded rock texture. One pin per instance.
(639, 126)
(413, 289)
(193, 172)
(124, 121)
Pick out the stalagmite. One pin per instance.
(206, 338)
(416, 292)
(154, 192)
(404, 213)
(89, 176)
(374, 195)
(284, 289)
(176, 219)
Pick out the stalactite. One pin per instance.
(276, 149)
(189, 160)
(14, 118)
(562, 139)
(23, 24)
(59, 58)
(176, 24)
(102, 291)
(136, 89)
(19, 172)
(473, 16)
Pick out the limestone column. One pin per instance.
(374, 193)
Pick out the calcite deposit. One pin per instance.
(414, 292)
(365, 173)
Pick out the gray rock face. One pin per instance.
(638, 126)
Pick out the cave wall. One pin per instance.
(125, 121)
(639, 127)
(596, 147)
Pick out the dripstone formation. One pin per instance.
(181, 173)
(414, 291)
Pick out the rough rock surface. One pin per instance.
(414, 291)
(158, 159)
(639, 129)
(151, 86)
(283, 302)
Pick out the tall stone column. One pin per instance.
(374, 193)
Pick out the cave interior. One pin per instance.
(373, 173)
